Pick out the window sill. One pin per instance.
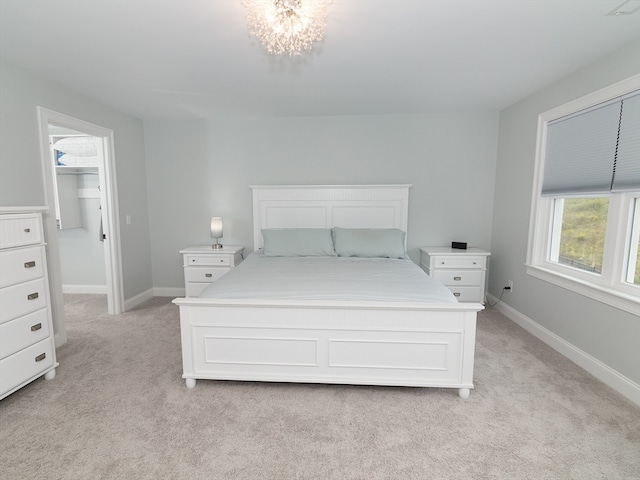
(623, 301)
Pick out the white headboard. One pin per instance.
(327, 206)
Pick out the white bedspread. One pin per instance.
(329, 278)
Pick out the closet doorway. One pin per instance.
(83, 214)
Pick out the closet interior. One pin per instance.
(78, 161)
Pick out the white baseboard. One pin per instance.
(93, 289)
(168, 292)
(152, 292)
(595, 367)
(132, 302)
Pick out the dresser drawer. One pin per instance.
(221, 260)
(20, 265)
(204, 274)
(459, 277)
(23, 366)
(19, 229)
(23, 331)
(467, 294)
(18, 300)
(457, 262)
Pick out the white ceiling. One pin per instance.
(179, 59)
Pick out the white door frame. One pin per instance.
(109, 197)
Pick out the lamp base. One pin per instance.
(216, 246)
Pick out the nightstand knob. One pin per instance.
(208, 275)
(457, 278)
(456, 294)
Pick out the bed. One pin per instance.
(242, 328)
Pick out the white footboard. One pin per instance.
(313, 342)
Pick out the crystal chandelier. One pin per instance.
(287, 26)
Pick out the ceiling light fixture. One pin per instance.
(287, 26)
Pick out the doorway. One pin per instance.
(107, 217)
(78, 208)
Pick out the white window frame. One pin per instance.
(608, 286)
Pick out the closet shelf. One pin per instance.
(74, 170)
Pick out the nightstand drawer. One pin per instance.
(204, 265)
(204, 274)
(218, 259)
(461, 261)
(460, 277)
(461, 271)
(467, 294)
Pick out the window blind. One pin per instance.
(594, 151)
(627, 168)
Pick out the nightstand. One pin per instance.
(203, 265)
(462, 271)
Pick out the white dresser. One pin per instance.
(462, 271)
(27, 348)
(204, 265)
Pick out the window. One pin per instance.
(585, 222)
(578, 232)
(632, 272)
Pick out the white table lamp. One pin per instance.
(216, 231)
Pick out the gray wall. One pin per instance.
(606, 333)
(21, 176)
(199, 169)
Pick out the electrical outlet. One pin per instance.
(511, 286)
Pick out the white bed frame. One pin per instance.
(367, 343)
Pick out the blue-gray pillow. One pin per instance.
(369, 242)
(297, 242)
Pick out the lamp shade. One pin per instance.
(216, 227)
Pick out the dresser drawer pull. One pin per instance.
(41, 357)
(33, 296)
(457, 278)
(36, 327)
(27, 230)
(30, 264)
(208, 275)
(456, 294)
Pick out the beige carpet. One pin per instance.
(118, 409)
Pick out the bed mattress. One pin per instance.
(329, 278)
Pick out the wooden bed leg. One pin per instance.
(464, 393)
(191, 382)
